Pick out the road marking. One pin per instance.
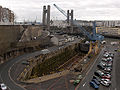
(90, 68)
(115, 88)
(11, 78)
(95, 61)
(9, 88)
(84, 84)
(1, 77)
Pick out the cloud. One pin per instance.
(83, 9)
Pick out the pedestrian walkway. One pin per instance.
(47, 77)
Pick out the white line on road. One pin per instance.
(115, 88)
(1, 77)
(84, 84)
(11, 77)
(90, 68)
(94, 62)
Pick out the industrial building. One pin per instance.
(108, 30)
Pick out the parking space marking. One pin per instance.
(91, 67)
(84, 84)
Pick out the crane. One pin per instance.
(93, 36)
(61, 10)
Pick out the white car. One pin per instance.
(105, 83)
(3, 86)
(106, 80)
(104, 59)
(106, 55)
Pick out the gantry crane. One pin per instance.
(93, 37)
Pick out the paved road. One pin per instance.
(7, 77)
(62, 82)
(84, 85)
(4, 74)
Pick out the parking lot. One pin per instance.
(108, 75)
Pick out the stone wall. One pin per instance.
(37, 60)
(10, 35)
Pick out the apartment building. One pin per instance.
(6, 16)
(108, 30)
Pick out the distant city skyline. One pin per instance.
(31, 10)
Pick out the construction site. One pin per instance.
(53, 55)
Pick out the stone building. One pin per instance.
(6, 16)
(61, 39)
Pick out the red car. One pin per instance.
(106, 76)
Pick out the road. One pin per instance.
(61, 83)
(7, 72)
(84, 85)
(4, 74)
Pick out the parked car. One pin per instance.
(115, 50)
(111, 54)
(106, 76)
(108, 64)
(108, 69)
(108, 80)
(106, 72)
(76, 82)
(104, 59)
(25, 62)
(109, 59)
(94, 85)
(105, 64)
(99, 73)
(3, 86)
(95, 80)
(96, 77)
(105, 83)
(100, 66)
(106, 55)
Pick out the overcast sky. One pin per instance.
(83, 9)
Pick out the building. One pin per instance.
(108, 30)
(6, 16)
(58, 40)
(61, 39)
(59, 23)
(107, 23)
(63, 23)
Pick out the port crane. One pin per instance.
(93, 37)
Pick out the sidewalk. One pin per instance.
(47, 77)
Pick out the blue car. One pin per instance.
(94, 85)
(96, 81)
